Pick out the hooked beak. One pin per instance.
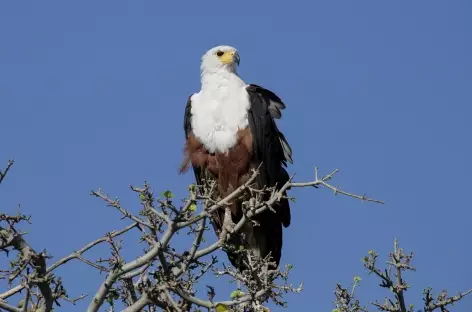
(230, 58)
(236, 58)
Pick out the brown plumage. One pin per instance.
(229, 169)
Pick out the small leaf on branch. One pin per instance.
(167, 194)
(21, 303)
(192, 207)
(236, 294)
(221, 307)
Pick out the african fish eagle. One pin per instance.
(229, 130)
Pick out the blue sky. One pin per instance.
(92, 95)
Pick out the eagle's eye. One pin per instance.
(220, 53)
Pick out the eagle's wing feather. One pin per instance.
(275, 106)
(188, 130)
(272, 149)
(188, 117)
(275, 103)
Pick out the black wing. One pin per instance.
(275, 103)
(271, 146)
(275, 106)
(187, 130)
(187, 117)
(272, 149)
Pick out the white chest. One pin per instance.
(218, 114)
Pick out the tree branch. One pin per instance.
(5, 171)
(133, 265)
(9, 308)
(37, 262)
(74, 255)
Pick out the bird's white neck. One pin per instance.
(221, 78)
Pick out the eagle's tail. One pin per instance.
(264, 239)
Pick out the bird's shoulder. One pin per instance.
(192, 98)
(266, 98)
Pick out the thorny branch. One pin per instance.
(173, 283)
(166, 278)
(398, 262)
(5, 171)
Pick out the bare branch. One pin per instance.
(399, 261)
(139, 305)
(133, 265)
(164, 278)
(5, 171)
(323, 182)
(75, 255)
(116, 204)
(9, 308)
(443, 300)
(35, 260)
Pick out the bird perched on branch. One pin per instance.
(230, 130)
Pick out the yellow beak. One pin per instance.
(230, 57)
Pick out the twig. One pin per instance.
(5, 171)
(139, 305)
(443, 303)
(116, 204)
(9, 308)
(128, 267)
(74, 255)
(37, 262)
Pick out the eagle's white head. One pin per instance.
(220, 58)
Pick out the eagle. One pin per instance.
(230, 130)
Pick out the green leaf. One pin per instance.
(167, 194)
(192, 207)
(335, 310)
(221, 307)
(236, 294)
(142, 197)
(357, 279)
(21, 303)
(110, 301)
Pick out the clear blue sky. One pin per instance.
(92, 95)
